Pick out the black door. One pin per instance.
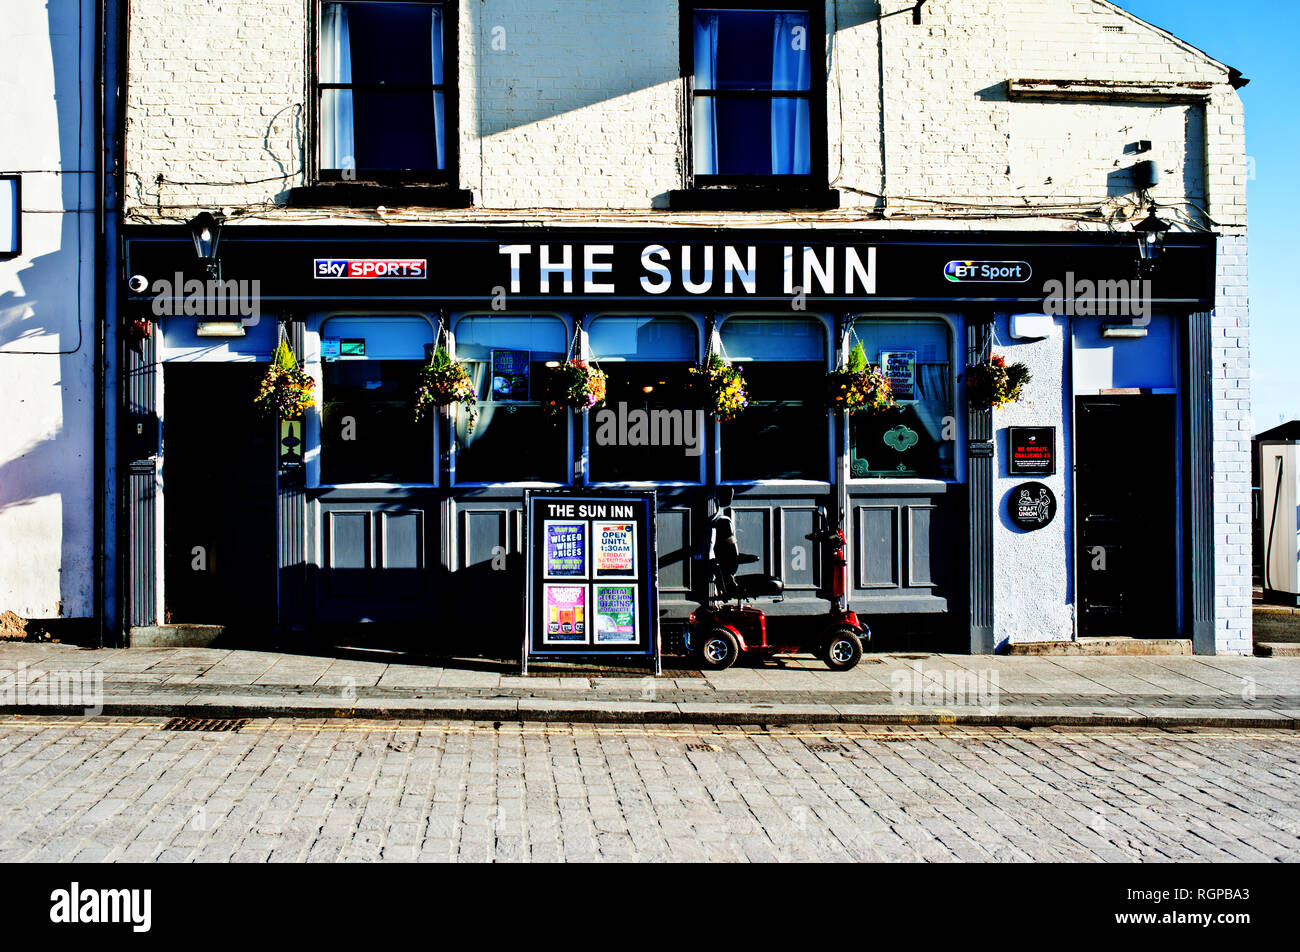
(1126, 499)
(218, 498)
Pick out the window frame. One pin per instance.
(569, 321)
(827, 321)
(314, 418)
(817, 178)
(955, 329)
(449, 87)
(699, 323)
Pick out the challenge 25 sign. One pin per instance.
(592, 575)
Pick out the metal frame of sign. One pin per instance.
(18, 217)
(644, 580)
(1012, 469)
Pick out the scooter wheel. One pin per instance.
(718, 649)
(843, 649)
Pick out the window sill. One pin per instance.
(753, 199)
(368, 195)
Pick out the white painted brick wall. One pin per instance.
(1230, 325)
(580, 108)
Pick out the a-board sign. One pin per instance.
(592, 573)
(1031, 451)
(1031, 506)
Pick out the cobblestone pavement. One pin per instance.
(329, 790)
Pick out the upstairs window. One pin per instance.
(383, 98)
(752, 101)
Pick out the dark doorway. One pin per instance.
(1126, 497)
(219, 498)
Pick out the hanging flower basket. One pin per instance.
(286, 389)
(573, 385)
(993, 383)
(717, 388)
(859, 386)
(444, 382)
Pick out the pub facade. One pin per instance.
(643, 187)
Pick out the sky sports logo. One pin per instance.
(370, 268)
(974, 272)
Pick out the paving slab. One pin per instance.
(1032, 690)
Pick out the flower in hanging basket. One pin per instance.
(859, 386)
(717, 388)
(286, 389)
(572, 385)
(444, 382)
(994, 383)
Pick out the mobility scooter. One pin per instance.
(725, 627)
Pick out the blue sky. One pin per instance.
(1259, 38)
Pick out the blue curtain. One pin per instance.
(705, 132)
(337, 143)
(439, 133)
(791, 69)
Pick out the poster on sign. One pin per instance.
(565, 612)
(510, 375)
(566, 550)
(899, 368)
(615, 549)
(615, 614)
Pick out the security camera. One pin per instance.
(138, 283)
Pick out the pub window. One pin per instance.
(753, 105)
(783, 432)
(383, 96)
(369, 367)
(916, 440)
(513, 440)
(647, 436)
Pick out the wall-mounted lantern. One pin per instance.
(205, 229)
(1151, 233)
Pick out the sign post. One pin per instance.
(592, 575)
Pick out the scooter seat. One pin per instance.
(754, 586)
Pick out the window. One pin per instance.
(782, 434)
(367, 433)
(647, 436)
(753, 106)
(383, 101)
(513, 441)
(915, 441)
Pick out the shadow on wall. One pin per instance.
(517, 71)
(45, 321)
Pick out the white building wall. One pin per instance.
(1230, 324)
(1033, 581)
(573, 111)
(47, 101)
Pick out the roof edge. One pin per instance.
(1235, 77)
